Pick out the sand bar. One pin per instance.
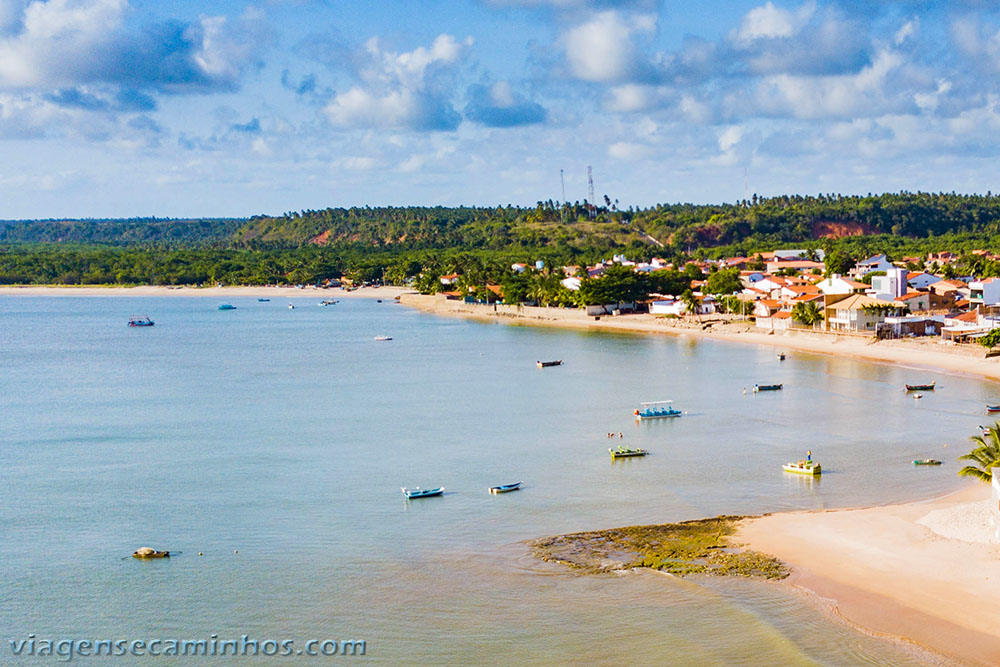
(388, 292)
(918, 353)
(887, 572)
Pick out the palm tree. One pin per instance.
(986, 454)
(808, 313)
(691, 303)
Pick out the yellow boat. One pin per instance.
(803, 467)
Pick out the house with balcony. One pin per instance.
(874, 263)
(858, 313)
(984, 292)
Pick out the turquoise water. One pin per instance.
(285, 435)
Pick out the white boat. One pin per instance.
(804, 466)
(291, 307)
(381, 338)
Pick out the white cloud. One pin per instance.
(768, 21)
(625, 150)
(604, 50)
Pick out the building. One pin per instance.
(917, 302)
(448, 279)
(875, 263)
(858, 313)
(889, 287)
(921, 281)
(835, 284)
(793, 264)
(984, 292)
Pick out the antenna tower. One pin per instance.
(590, 190)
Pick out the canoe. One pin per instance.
(546, 364)
(767, 387)
(422, 493)
(506, 488)
(803, 468)
(623, 453)
(921, 387)
(926, 462)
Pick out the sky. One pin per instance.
(121, 108)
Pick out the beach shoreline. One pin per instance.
(387, 292)
(914, 353)
(884, 570)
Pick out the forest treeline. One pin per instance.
(396, 243)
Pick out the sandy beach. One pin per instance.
(925, 571)
(388, 292)
(915, 353)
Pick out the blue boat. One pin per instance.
(766, 387)
(422, 493)
(140, 322)
(504, 488)
(262, 299)
(656, 410)
(227, 306)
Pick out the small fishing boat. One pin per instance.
(262, 299)
(656, 410)
(921, 387)
(926, 462)
(766, 387)
(505, 488)
(382, 338)
(546, 364)
(781, 356)
(327, 303)
(227, 306)
(804, 466)
(625, 452)
(291, 307)
(140, 322)
(149, 552)
(422, 493)
(993, 408)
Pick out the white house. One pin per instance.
(572, 283)
(667, 307)
(889, 287)
(518, 268)
(866, 266)
(984, 292)
(835, 284)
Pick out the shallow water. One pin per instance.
(286, 434)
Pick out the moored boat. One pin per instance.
(262, 299)
(546, 364)
(926, 462)
(766, 387)
(227, 306)
(625, 452)
(920, 387)
(781, 356)
(140, 322)
(422, 493)
(383, 338)
(656, 410)
(505, 488)
(149, 552)
(804, 466)
(993, 408)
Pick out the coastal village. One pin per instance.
(877, 298)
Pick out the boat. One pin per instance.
(993, 408)
(766, 387)
(149, 552)
(422, 493)
(327, 303)
(625, 452)
(382, 338)
(227, 306)
(804, 466)
(656, 410)
(546, 364)
(505, 488)
(291, 307)
(920, 387)
(926, 462)
(262, 299)
(140, 322)
(781, 356)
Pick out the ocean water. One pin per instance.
(275, 442)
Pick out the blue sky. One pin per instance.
(137, 108)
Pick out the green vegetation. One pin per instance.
(808, 313)
(691, 547)
(985, 455)
(990, 340)
(480, 243)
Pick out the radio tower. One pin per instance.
(590, 189)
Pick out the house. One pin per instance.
(748, 278)
(984, 292)
(518, 268)
(449, 279)
(916, 301)
(766, 307)
(793, 264)
(779, 321)
(572, 283)
(858, 313)
(837, 285)
(667, 307)
(910, 325)
(875, 263)
(890, 286)
(920, 281)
